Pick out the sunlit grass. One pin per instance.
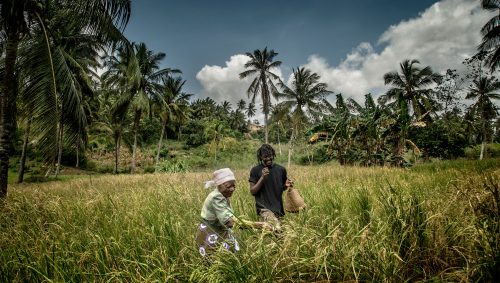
(367, 224)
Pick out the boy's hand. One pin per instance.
(288, 183)
(265, 172)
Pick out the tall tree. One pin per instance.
(371, 122)
(305, 99)
(137, 69)
(173, 106)
(17, 18)
(412, 83)
(411, 98)
(491, 34)
(250, 111)
(261, 65)
(483, 91)
(341, 127)
(241, 105)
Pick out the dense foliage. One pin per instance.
(59, 110)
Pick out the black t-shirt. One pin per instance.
(269, 195)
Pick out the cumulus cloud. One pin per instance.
(441, 37)
(223, 83)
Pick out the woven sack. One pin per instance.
(294, 201)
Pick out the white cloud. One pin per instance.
(441, 37)
(223, 83)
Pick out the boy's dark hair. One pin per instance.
(265, 150)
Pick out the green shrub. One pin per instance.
(492, 150)
(90, 165)
(149, 169)
(173, 166)
(104, 169)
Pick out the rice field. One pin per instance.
(434, 222)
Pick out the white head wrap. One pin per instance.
(220, 177)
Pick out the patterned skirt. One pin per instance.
(209, 239)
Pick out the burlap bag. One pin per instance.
(294, 201)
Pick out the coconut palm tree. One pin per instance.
(250, 111)
(19, 18)
(305, 99)
(412, 83)
(137, 70)
(173, 106)
(203, 108)
(412, 99)
(215, 130)
(241, 105)
(260, 66)
(484, 90)
(280, 121)
(491, 34)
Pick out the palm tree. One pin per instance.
(484, 90)
(260, 65)
(412, 84)
(19, 18)
(113, 117)
(241, 105)
(306, 99)
(138, 71)
(279, 121)
(411, 98)
(203, 108)
(215, 131)
(171, 105)
(491, 34)
(250, 112)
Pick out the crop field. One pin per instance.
(434, 222)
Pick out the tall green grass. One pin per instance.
(363, 224)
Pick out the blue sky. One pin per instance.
(350, 44)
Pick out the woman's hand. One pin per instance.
(256, 225)
(264, 226)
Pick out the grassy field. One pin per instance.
(434, 222)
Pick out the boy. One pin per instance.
(268, 181)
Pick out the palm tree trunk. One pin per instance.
(20, 177)
(136, 130)
(7, 104)
(481, 155)
(77, 152)
(117, 152)
(266, 132)
(216, 145)
(60, 148)
(483, 142)
(279, 143)
(290, 143)
(159, 145)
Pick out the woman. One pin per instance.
(217, 215)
